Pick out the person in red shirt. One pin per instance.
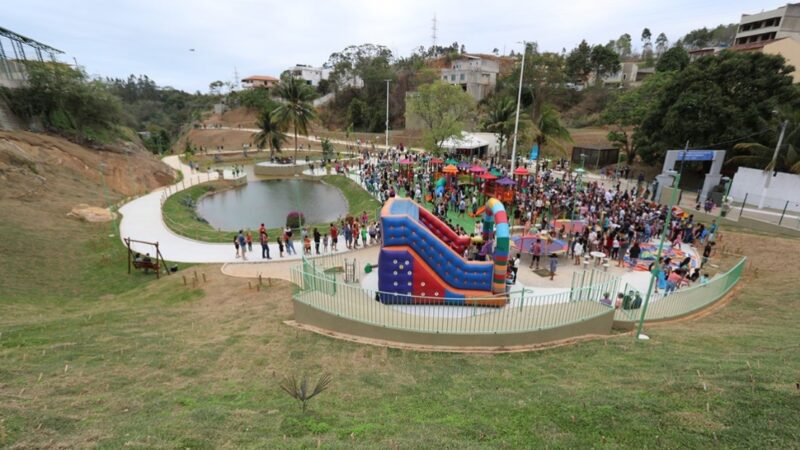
(334, 237)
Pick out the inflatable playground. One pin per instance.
(421, 259)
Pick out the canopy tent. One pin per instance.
(451, 169)
(521, 171)
(466, 144)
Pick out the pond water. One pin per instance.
(269, 202)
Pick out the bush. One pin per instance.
(295, 219)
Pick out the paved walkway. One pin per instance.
(142, 220)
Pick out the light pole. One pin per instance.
(657, 264)
(772, 166)
(519, 100)
(387, 114)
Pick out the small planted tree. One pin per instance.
(295, 219)
(302, 390)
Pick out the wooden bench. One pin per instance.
(146, 265)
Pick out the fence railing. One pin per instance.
(322, 286)
(682, 301)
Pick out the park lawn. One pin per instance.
(94, 357)
(182, 219)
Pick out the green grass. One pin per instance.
(169, 366)
(182, 219)
(93, 357)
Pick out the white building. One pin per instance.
(313, 75)
(769, 25)
(476, 75)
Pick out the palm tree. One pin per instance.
(271, 134)
(754, 154)
(500, 119)
(548, 129)
(296, 109)
(759, 155)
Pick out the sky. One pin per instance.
(154, 37)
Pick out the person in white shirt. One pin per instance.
(578, 251)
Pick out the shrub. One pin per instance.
(295, 219)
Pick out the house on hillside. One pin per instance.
(769, 25)
(630, 74)
(260, 81)
(788, 47)
(313, 76)
(476, 75)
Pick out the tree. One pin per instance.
(442, 108)
(271, 134)
(215, 87)
(548, 129)
(603, 62)
(500, 119)
(662, 43)
(646, 43)
(296, 109)
(625, 112)
(717, 101)
(755, 154)
(676, 58)
(623, 45)
(578, 64)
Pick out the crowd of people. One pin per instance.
(616, 219)
(357, 233)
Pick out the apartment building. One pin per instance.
(769, 25)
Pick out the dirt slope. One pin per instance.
(38, 168)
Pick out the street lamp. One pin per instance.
(387, 114)
(519, 100)
(657, 264)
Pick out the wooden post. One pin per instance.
(249, 286)
(204, 278)
(128, 243)
(184, 279)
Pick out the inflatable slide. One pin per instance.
(421, 260)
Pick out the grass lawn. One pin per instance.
(182, 219)
(90, 356)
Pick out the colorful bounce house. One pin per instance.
(421, 258)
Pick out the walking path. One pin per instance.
(142, 219)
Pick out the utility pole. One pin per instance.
(519, 100)
(387, 114)
(657, 264)
(772, 167)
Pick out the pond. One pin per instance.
(269, 202)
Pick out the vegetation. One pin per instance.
(95, 357)
(67, 101)
(272, 132)
(499, 119)
(754, 154)
(301, 390)
(160, 113)
(296, 109)
(716, 101)
(443, 108)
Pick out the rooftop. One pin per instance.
(260, 78)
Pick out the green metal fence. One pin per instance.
(684, 301)
(321, 286)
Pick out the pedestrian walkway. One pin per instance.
(142, 220)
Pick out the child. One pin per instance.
(553, 265)
(325, 243)
(249, 239)
(364, 235)
(307, 245)
(280, 245)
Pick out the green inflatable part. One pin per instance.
(367, 268)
